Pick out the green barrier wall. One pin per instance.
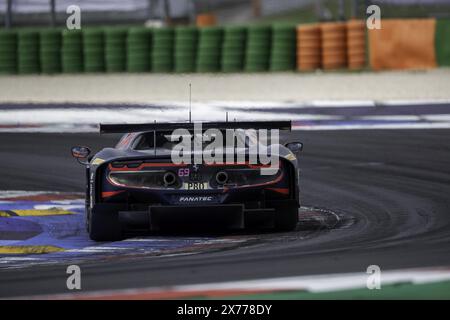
(209, 49)
(72, 51)
(257, 54)
(115, 49)
(138, 49)
(284, 47)
(50, 51)
(8, 52)
(233, 49)
(93, 50)
(162, 50)
(28, 52)
(442, 42)
(185, 50)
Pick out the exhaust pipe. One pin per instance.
(169, 178)
(221, 177)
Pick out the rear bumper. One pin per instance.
(231, 216)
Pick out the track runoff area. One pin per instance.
(373, 212)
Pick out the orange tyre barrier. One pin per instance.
(403, 44)
(204, 20)
(334, 45)
(356, 44)
(308, 47)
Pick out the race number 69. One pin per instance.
(183, 172)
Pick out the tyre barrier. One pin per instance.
(72, 51)
(93, 50)
(356, 44)
(334, 45)
(50, 51)
(162, 50)
(233, 49)
(442, 42)
(257, 53)
(309, 56)
(185, 49)
(209, 49)
(255, 48)
(139, 41)
(28, 52)
(115, 50)
(8, 52)
(283, 49)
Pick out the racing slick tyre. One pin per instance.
(104, 224)
(286, 219)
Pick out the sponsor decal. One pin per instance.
(196, 198)
(195, 186)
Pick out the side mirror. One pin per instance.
(295, 147)
(81, 153)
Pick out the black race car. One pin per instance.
(137, 186)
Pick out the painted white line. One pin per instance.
(151, 240)
(86, 119)
(19, 193)
(22, 193)
(393, 117)
(341, 103)
(9, 242)
(58, 206)
(18, 259)
(52, 129)
(314, 283)
(406, 102)
(436, 117)
(71, 118)
(97, 249)
(418, 117)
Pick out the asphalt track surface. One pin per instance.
(391, 188)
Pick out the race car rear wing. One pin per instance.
(170, 126)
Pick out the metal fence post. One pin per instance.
(341, 10)
(355, 8)
(167, 16)
(318, 9)
(8, 15)
(52, 13)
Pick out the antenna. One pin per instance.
(190, 103)
(154, 141)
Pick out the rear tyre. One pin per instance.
(104, 223)
(286, 219)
